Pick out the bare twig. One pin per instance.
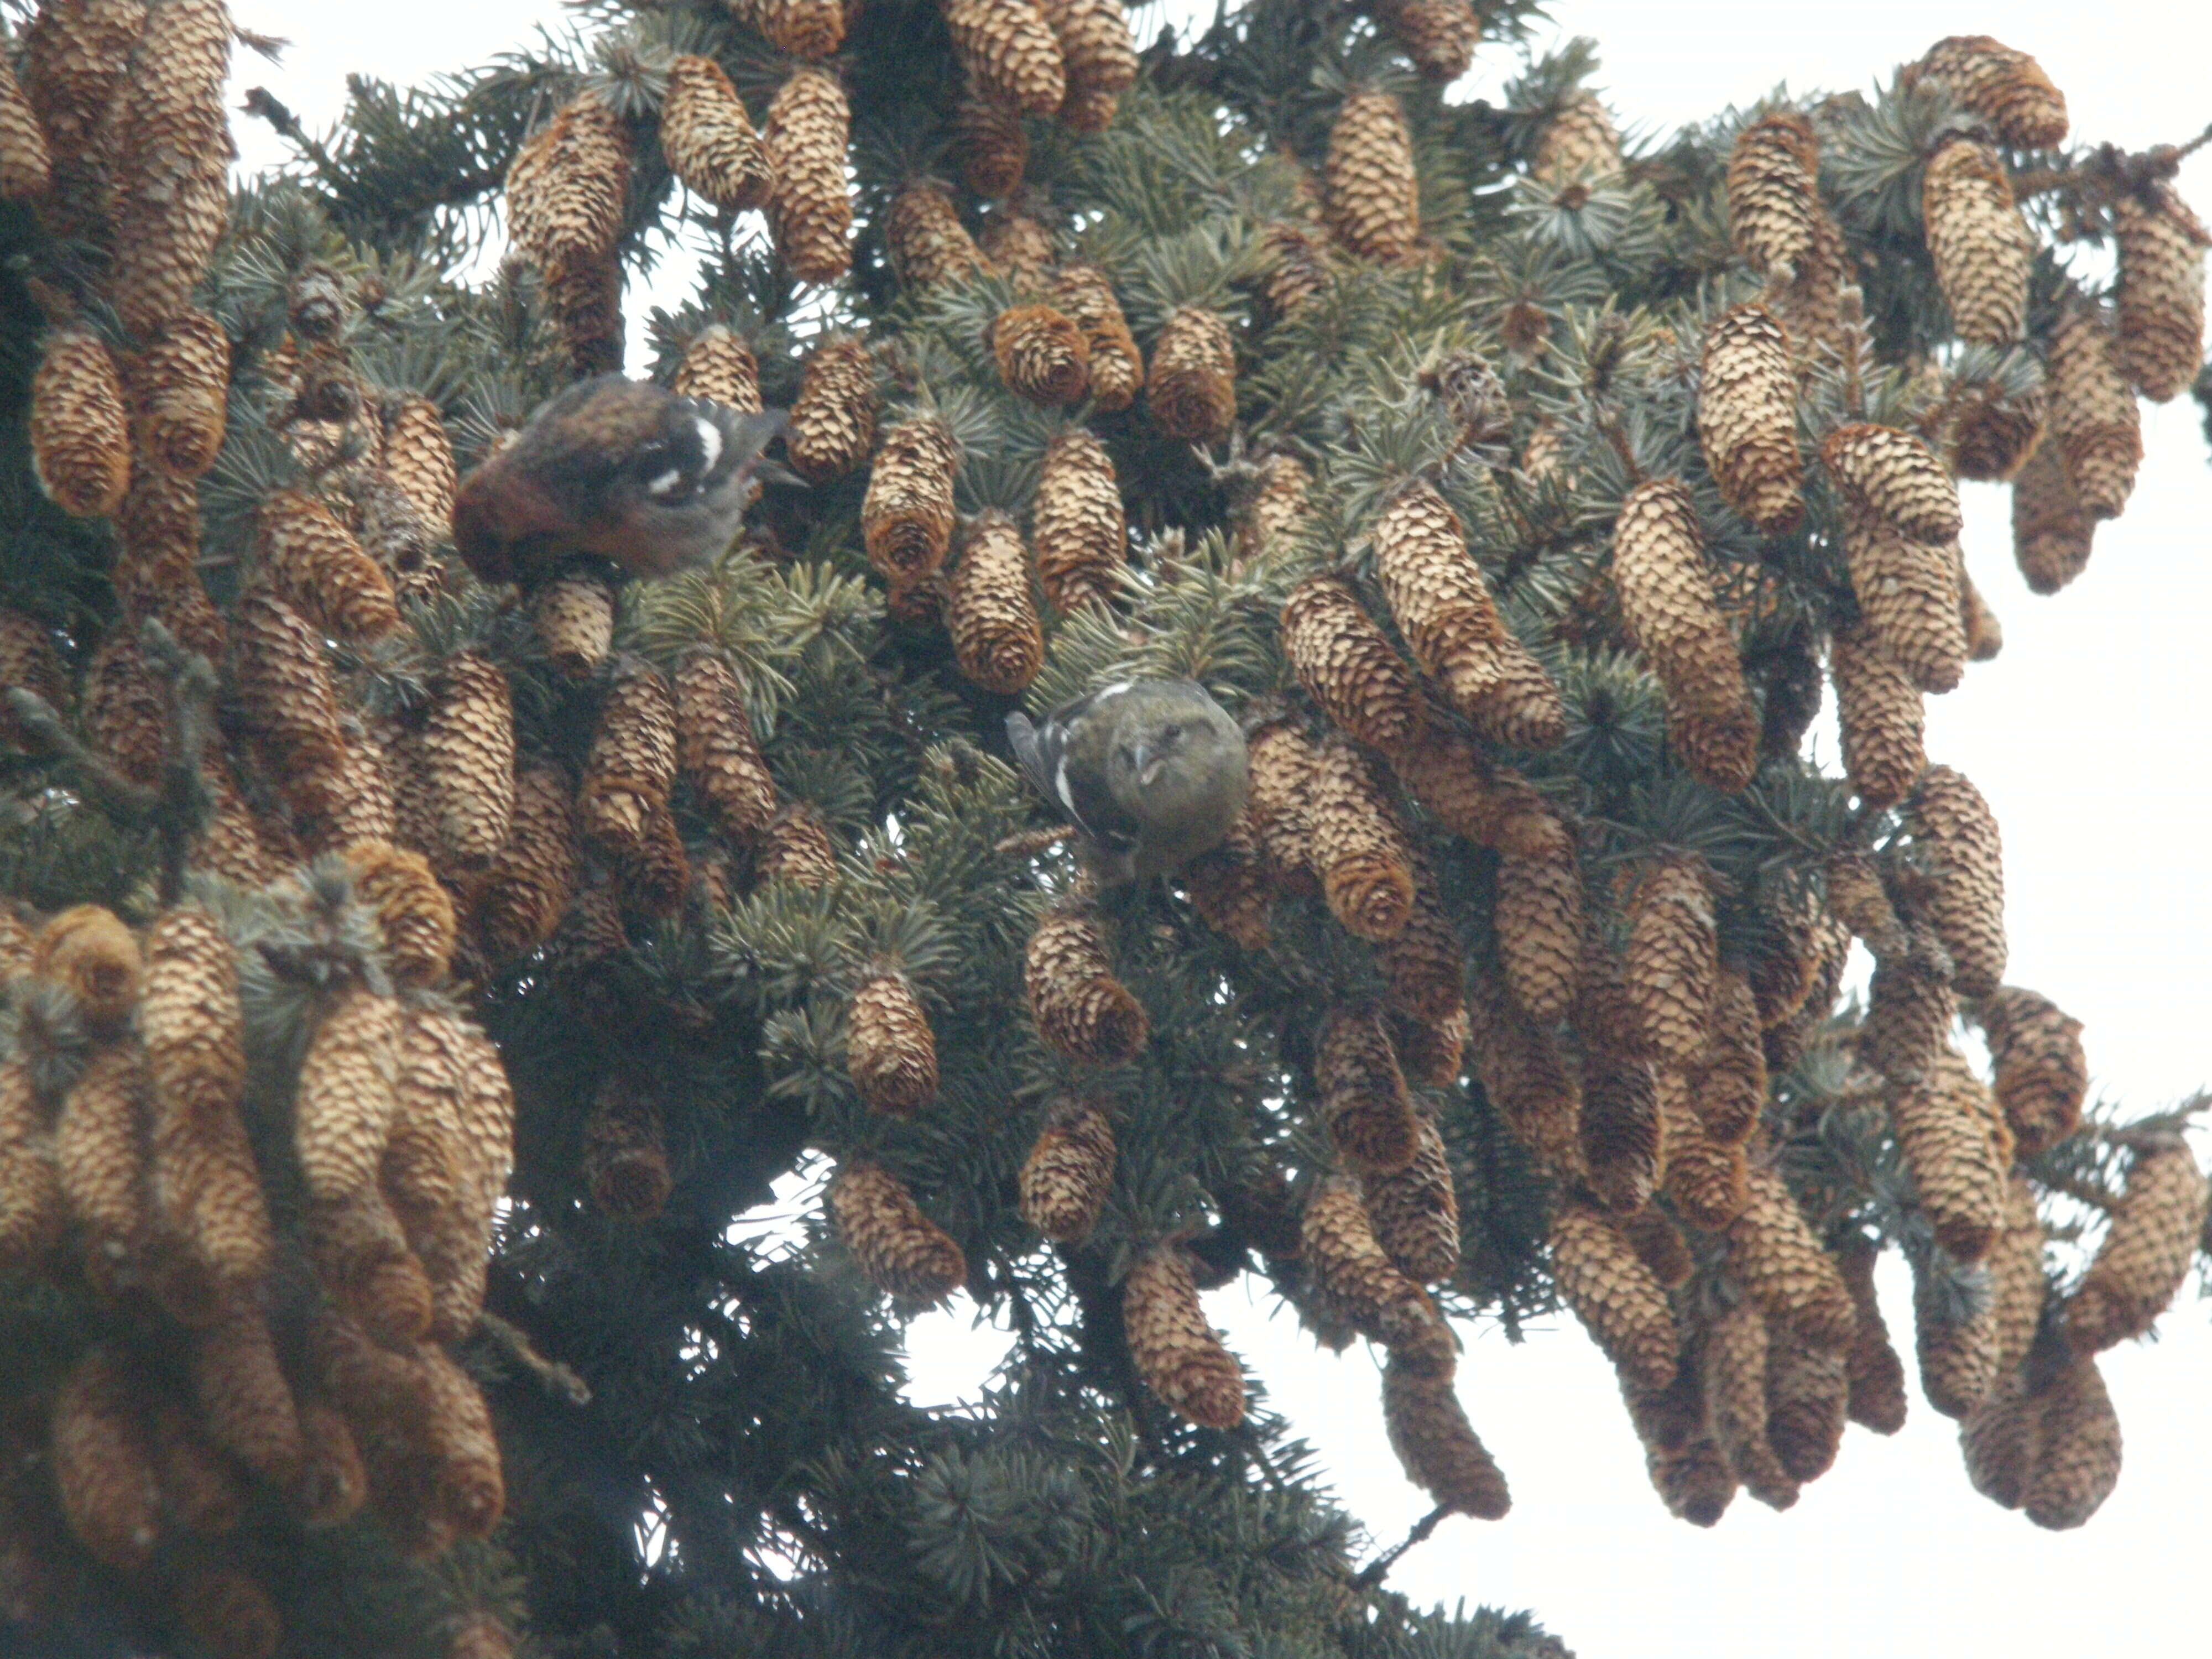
(95, 775)
(559, 1380)
(1374, 1572)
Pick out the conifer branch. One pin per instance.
(1375, 1571)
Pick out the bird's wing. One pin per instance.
(1081, 796)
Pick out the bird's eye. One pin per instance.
(1171, 734)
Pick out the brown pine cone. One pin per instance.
(1774, 194)
(1415, 1211)
(708, 138)
(1230, 888)
(1874, 1374)
(2007, 87)
(1437, 595)
(1671, 961)
(1078, 527)
(1437, 1449)
(1363, 1092)
(1360, 851)
(1374, 194)
(1747, 417)
(1118, 367)
(1356, 1276)
(1879, 711)
(1282, 763)
(2042, 1076)
(1192, 386)
(1528, 1079)
(907, 517)
(1069, 1173)
(810, 211)
(1958, 834)
(1979, 242)
(467, 750)
(31, 1212)
(1347, 665)
(719, 366)
(890, 1050)
(568, 188)
(1010, 52)
(1773, 1254)
(998, 639)
(532, 879)
(2050, 531)
(1620, 1130)
(321, 569)
(1176, 1352)
(26, 162)
(1440, 36)
(2075, 1459)
(1080, 1009)
(80, 430)
(2162, 294)
(715, 747)
(180, 390)
(1579, 142)
(1618, 1298)
(2155, 1231)
(804, 28)
(1100, 57)
(2093, 419)
(925, 239)
(833, 421)
(1735, 1355)
(1897, 476)
(1538, 919)
(992, 145)
(1909, 595)
(1952, 1161)
(102, 1466)
(1042, 355)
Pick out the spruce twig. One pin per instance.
(1374, 1572)
(559, 1381)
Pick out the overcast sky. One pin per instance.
(2086, 735)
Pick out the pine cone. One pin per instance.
(1282, 763)
(345, 1100)
(1424, 965)
(1278, 508)
(468, 756)
(901, 1249)
(171, 188)
(99, 1153)
(890, 1050)
(1781, 1267)
(1909, 595)
(2145, 1253)
(88, 951)
(1774, 195)
(1992, 435)
(575, 619)
(804, 28)
(1118, 367)
(809, 128)
(80, 433)
(1356, 1276)
(716, 748)
(1956, 830)
(1019, 246)
(2093, 419)
(583, 297)
(1415, 1211)
(1620, 1130)
(569, 186)
(1492, 806)
(31, 1213)
(1437, 1449)
(833, 421)
(1080, 1009)
(2007, 87)
(2018, 1289)
(198, 1489)
(1948, 1150)
(1729, 1083)
(992, 145)
(418, 457)
(1374, 194)
(1100, 57)
(1897, 476)
(1363, 1092)
(1530, 1082)
(245, 1404)
(1874, 1374)
(1579, 142)
(1010, 52)
(1437, 595)
(1192, 386)
(719, 366)
(528, 885)
(1077, 528)
(1880, 713)
(1694, 1480)
(1230, 888)
(321, 570)
(1747, 417)
(632, 764)
(2042, 1076)
(625, 1163)
(414, 912)
(1618, 1298)
(26, 163)
(333, 1484)
(364, 1265)
(1069, 1173)
(1669, 606)
(2050, 532)
(1440, 36)
(2075, 1461)
(708, 138)
(796, 847)
(1539, 919)
(1301, 263)
(1735, 1353)
(908, 516)
(180, 389)
(998, 639)
(1176, 1352)
(2162, 292)
(1042, 354)
(1980, 243)
(1347, 665)
(1996, 1439)
(927, 243)
(103, 1468)
(458, 1435)
(1909, 1012)
(1671, 961)
(1360, 851)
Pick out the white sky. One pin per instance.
(2082, 735)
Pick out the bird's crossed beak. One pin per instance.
(1148, 764)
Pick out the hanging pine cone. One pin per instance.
(1230, 889)
(1747, 417)
(99, 1153)
(1078, 527)
(317, 565)
(715, 747)
(1965, 906)
(1992, 433)
(1439, 1451)
(1781, 1267)
(103, 1468)
(1415, 1211)
(2146, 1252)
(583, 297)
(907, 517)
(708, 138)
(1672, 962)
(1729, 1082)
(1440, 36)
(1281, 504)
(2006, 88)
(1774, 195)
(1117, 367)
(26, 163)
(810, 126)
(531, 880)
(569, 186)
(632, 766)
(1896, 476)
(1879, 714)
(2042, 1074)
(1374, 195)
(1909, 593)
(1192, 386)
(625, 1161)
(467, 748)
(418, 457)
(1069, 1173)
(2074, 1461)
(927, 243)
(1176, 1352)
(1579, 142)
(796, 847)
(1529, 1077)
(1080, 1009)
(901, 1249)
(1300, 264)
(1539, 919)
(1356, 1275)
(802, 28)
(1735, 1353)
(1617, 1297)
(833, 421)
(1437, 595)
(1281, 763)
(1620, 1130)
(1019, 246)
(414, 914)
(74, 57)
(719, 366)
(1360, 851)
(1980, 244)
(1874, 1373)
(2094, 420)
(1363, 1093)
(998, 639)
(992, 145)
(1042, 353)
(573, 616)
(171, 189)
(2050, 532)
(1347, 665)
(1010, 52)
(890, 1050)
(2162, 292)
(180, 390)
(1953, 1164)
(1100, 57)
(31, 1213)
(80, 433)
